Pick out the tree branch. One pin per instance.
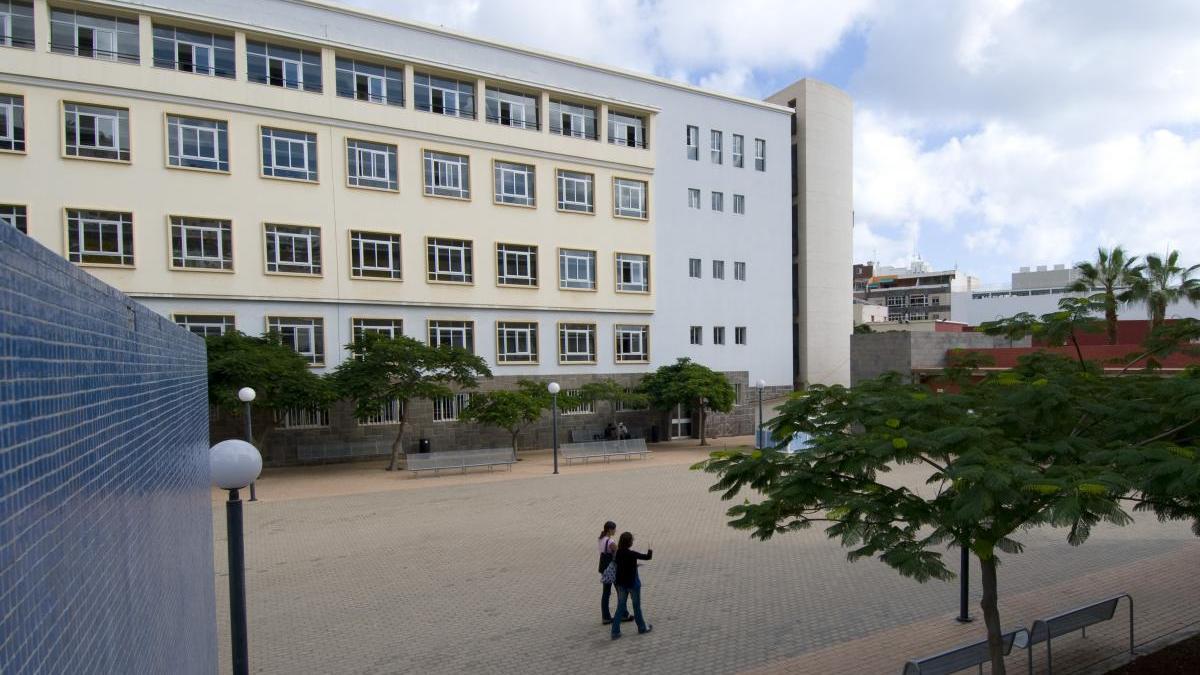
(1169, 432)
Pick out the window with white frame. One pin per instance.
(447, 175)
(448, 408)
(718, 201)
(572, 119)
(96, 132)
(12, 123)
(627, 130)
(516, 342)
(577, 343)
(192, 51)
(16, 24)
(511, 108)
(206, 325)
(739, 335)
(718, 335)
(457, 334)
(576, 269)
(739, 204)
(516, 265)
(575, 191)
(917, 300)
(514, 183)
(304, 335)
(370, 82)
(197, 143)
(739, 150)
(15, 215)
(629, 198)
(302, 418)
(388, 413)
(280, 66)
(693, 198)
(289, 154)
(633, 344)
(444, 96)
(100, 237)
(371, 165)
(94, 36)
(201, 243)
(895, 301)
(293, 249)
(694, 268)
(633, 273)
(760, 155)
(583, 406)
(693, 142)
(389, 328)
(718, 269)
(739, 271)
(696, 335)
(714, 146)
(918, 316)
(375, 255)
(450, 260)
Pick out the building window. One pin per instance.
(738, 150)
(718, 201)
(895, 301)
(693, 198)
(197, 143)
(624, 406)
(516, 342)
(575, 191)
(629, 198)
(714, 145)
(371, 165)
(739, 335)
(633, 344)
(516, 265)
(193, 51)
(450, 260)
(694, 268)
(280, 66)
(96, 132)
(718, 335)
(456, 334)
(693, 142)
(15, 215)
(627, 130)
(304, 335)
(576, 269)
(760, 154)
(739, 271)
(289, 154)
(293, 249)
(388, 413)
(633, 273)
(374, 255)
(447, 175)
(100, 237)
(206, 325)
(514, 183)
(511, 109)
(583, 407)
(444, 96)
(718, 269)
(16, 24)
(94, 36)
(12, 123)
(389, 328)
(302, 418)
(577, 343)
(571, 119)
(448, 408)
(201, 243)
(369, 82)
(696, 335)
(739, 205)
(917, 300)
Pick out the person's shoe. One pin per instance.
(628, 618)
(649, 628)
(605, 621)
(618, 635)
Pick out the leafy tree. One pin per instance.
(691, 384)
(863, 328)
(1164, 282)
(613, 393)
(1112, 273)
(1055, 329)
(511, 410)
(385, 369)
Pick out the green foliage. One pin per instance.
(511, 410)
(691, 384)
(863, 328)
(1163, 282)
(613, 392)
(280, 377)
(1112, 274)
(1074, 316)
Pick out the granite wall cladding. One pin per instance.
(106, 542)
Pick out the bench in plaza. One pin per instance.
(1045, 630)
(964, 656)
(626, 448)
(459, 459)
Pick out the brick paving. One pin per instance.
(496, 573)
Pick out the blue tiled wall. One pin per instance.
(106, 558)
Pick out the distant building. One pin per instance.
(912, 293)
(1059, 277)
(869, 312)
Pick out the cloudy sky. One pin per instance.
(989, 134)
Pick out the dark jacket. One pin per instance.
(627, 573)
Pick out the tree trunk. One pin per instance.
(397, 445)
(514, 442)
(1110, 316)
(991, 613)
(1078, 351)
(703, 440)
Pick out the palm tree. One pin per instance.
(1112, 274)
(1163, 283)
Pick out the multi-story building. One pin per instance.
(316, 171)
(914, 293)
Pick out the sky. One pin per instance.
(988, 135)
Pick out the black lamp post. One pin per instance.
(246, 395)
(964, 588)
(758, 443)
(553, 388)
(233, 465)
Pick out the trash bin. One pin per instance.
(423, 445)
(654, 433)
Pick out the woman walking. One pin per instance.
(629, 584)
(608, 548)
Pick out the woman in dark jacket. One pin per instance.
(629, 585)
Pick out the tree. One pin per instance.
(613, 393)
(1112, 273)
(511, 410)
(385, 369)
(1055, 329)
(691, 384)
(863, 328)
(1164, 282)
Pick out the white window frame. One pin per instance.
(296, 143)
(180, 126)
(585, 407)
(518, 106)
(694, 268)
(718, 268)
(619, 126)
(570, 184)
(696, 335)
(208, 324)
(447, 175)
(182, 258)
(14, 118)
(738, 150)
(718, 335)
(637, 338)
(718, 201)
(760, 154)
(371, 165)
(522, 333)
(114, 225)
(739, 204)
(303, 418)
(693, 198)
(455, 333)
(894, 301)
(693, 142)
(571, 119)
(629, 198)
(739, 271)
(312, 325)
(382, 246)
(460, 251)
(360, 326)
(458, 96)
(918, 300)
(571, 261)
(739, 335)
(388, 414)
(104, 118)
(521, 178)
(301, 238)
(519, 255)
(576, 343)
(15, 216)
(714, 145)
(638, 266)
(449, 408)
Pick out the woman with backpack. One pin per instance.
(629, 584)
(608, 548)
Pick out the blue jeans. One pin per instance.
(624, 594)
(604, 613)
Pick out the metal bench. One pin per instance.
(1045, 630)
(459, 459)
(626, 448)
(964, 656)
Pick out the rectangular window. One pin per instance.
(629, 198)
(369, 82)
(289, 154)
(450, 260)
(458, 334)
(739, 335)
(12, 123)
(696, 335)
(96, 131)
(389, 328)
(197, 143)
(94, 36)
(738, 150)
(15, 215)
(917, 299)
(511, 109)
(191, 51)
(633, 273)
(100, 237)
(516, 342)
(577, 343)
(281, 66)
(718, 335)
(444, 96)
(718, 269)
(584, 407)
(718, 201)
(305, 335)
(714, 145)
(694, 268)
(371, 165)
(571, 119)
(576, 269)
(633, 344)
(627, 130)
(693, 198)
(514, 183)
(447, 175)
(739, 271)
(16, 24)
(201, 243)
(575, 191)
(760, 155)
(624, 406)
(693, 142)
(293, 249)
(739, 204)
(206, 325)
(302, 418)
(448, 408)
(895, 301)
(388, 413)
(516, 265)
(374, 255)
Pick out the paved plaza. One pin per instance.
(353, 570)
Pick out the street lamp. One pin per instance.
(760, 385)
(246, 395)
(553, 388)
(235, 464)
